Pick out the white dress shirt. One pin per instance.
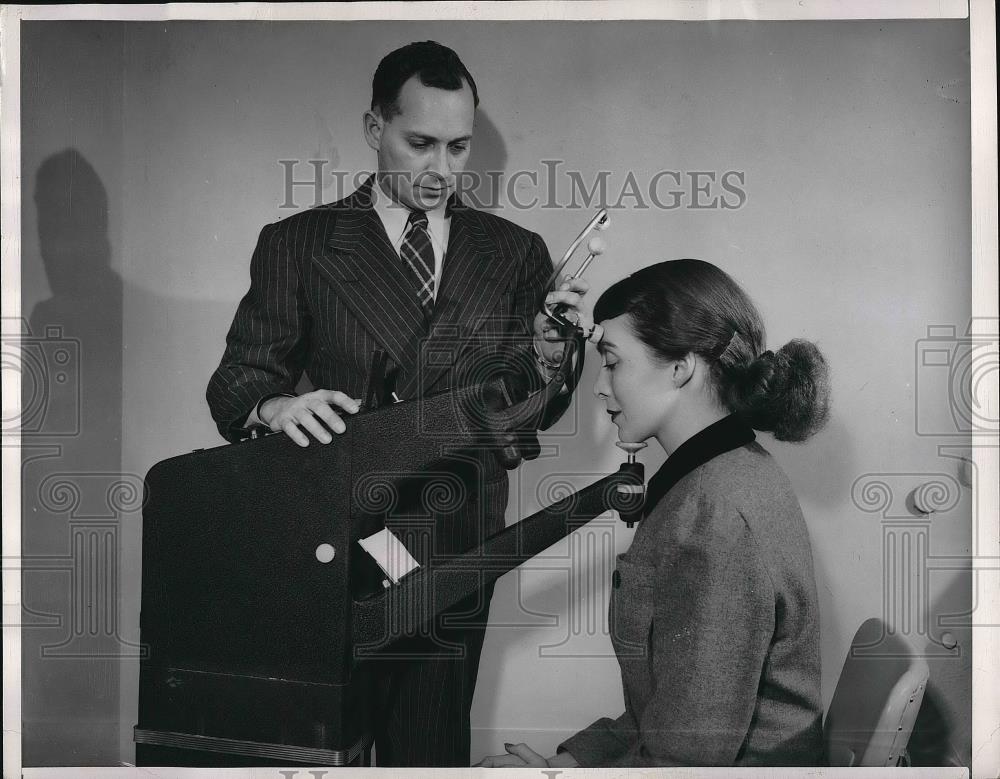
(395, 218)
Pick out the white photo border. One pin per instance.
(981, 14)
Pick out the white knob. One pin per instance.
(325, 553)
(596, 245)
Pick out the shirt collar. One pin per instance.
(720, 437)
(395, 216)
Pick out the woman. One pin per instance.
(714, 616)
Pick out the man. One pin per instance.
(404, 266)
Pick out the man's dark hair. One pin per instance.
(436, 65)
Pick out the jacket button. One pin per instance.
(616, 579)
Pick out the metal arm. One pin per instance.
(426, 592)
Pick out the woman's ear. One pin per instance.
(683, 370)
(373, 124)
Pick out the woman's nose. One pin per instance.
(600, 386)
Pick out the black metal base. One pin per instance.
(226, 753)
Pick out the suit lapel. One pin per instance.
(475, 274)
(361, 264)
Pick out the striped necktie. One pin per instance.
(417, 252)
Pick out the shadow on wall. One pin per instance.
(484, 188)
(73, 491)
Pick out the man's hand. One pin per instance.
(570, 293)
(311, 411)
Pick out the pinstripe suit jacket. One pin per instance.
(327, 289)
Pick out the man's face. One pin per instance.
(423, 148)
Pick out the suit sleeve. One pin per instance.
(535, 271)
(713, 618)
(531, 290)
(266, 344)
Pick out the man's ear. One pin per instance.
(683, 370)
(373, 125)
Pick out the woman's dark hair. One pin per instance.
(681, 307)
(436, 65)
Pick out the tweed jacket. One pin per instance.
(327, 289)
(714, 618)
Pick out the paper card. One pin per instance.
(390, 554)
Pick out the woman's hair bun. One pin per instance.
(787, 392)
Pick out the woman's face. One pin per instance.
(637, 389)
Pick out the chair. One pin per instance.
(876, 701)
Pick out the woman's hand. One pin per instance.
(518, 756)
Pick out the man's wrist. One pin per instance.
(549, 365)
(258, 410)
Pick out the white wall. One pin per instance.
(853, 138)
(71, 116)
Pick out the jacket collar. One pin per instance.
(718, 438)
(361, 262)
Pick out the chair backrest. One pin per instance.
(876, 701)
